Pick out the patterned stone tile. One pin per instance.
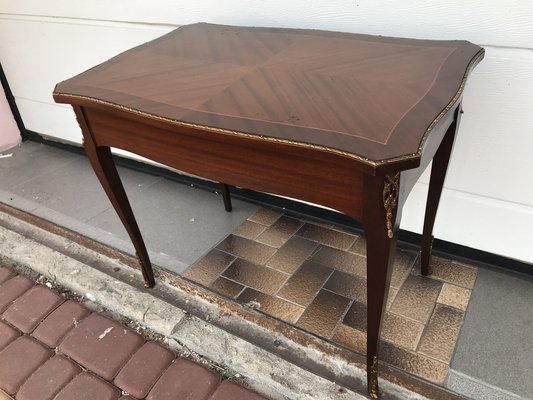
(359, 247)
(256, 276)
(271, 305)
(226, 287)
(403, 263)
(248, 249)
(205, 270)
(348, 285)
(416, 298)
(454, 296)
(292, 254)
(401, 331)
(414, 363)
(324, 313)
(441, 333)
(302, 287)
(249, 230)
(351, 338)
(280, 231)
(265, 216)
(313, 275)
(391, 296)
(356, 316)
(341, 260)
(328, 237)
(453, 272)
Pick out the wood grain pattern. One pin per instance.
(366, 96)
(270, 167)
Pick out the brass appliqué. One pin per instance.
(373, 381)
(390, 199)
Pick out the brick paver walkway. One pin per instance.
(56, 349)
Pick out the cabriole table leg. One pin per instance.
(102, 162)
(226, 196)
(381, 218)
(438, 174)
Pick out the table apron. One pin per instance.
(302, 173)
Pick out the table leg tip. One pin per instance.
(372, 372)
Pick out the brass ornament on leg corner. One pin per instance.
(390, 199)
(373, 390)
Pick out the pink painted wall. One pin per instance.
(9, 131)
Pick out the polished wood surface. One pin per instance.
(342, 120)
(366, 96)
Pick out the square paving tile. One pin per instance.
(271, 305)
(303, 286)
(441, 333)
(453, 272)
(209, 267)
(313, 276)
(256, 276)
(247, 249)
(326, 236)
(280, 231)
(324, 313)
(292, 254)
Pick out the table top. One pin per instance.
(371, 98)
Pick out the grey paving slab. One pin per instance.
(74, 190)
(179, 223)
(29, 161)
(17, 201)
(167, 261)
(178, 220)
(496, 340)
(476, 389)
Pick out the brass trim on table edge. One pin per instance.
(390, 200)
(373, 390)
(362, 159)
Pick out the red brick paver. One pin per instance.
(60, 322)
(86, 386)
(19, 360)
(7, 334)
(32, 307)
(11, 289)
(101, 345)
(5, 274)
(29, 370)
(49, 379)
(143, 369)
(184, 380)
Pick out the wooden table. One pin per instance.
(343, 120)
